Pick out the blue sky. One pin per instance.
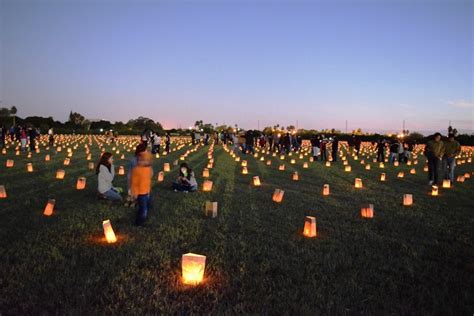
(318, 63)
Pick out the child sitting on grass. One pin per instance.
(140, 184)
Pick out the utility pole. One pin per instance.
(296, 125)
(258, 124)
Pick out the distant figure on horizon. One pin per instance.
(434, 151)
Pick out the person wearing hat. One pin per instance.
(434, 151)
(452, 148)
(140, 185)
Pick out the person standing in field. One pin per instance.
(452, 148)
(322, 147)
(409, 145)
(249, 142)
(3, 135)
(133, 163)
(434, 152)
(357, 143)
(12, 133)
(335, 148)
(156, 143)
(167, 143)
(141, 186)
(105, 175)
(315, 146)
(393, 151)
(32, 137)
(23, 138)
(381, 150)
(401, 152)
(51, 136)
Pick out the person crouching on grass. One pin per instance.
(186, 181)
(141, 186)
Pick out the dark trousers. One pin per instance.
(334, 155)
(323, 155)
(155, 149)
(144, 205)
(183, 187)
(380, 156)
(32, 144)
(433, 169)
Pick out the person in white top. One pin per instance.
(105, 174)
(156, 143)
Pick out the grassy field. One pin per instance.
(405, 260)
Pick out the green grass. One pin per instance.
(405, 260)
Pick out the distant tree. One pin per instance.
(267, 130)
(4, 112)
(416, 137)
(141, 123)
(76, 119)
(198, 124)
(13, 111)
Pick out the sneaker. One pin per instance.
(186, 191)
(175, 190)
(430, 183)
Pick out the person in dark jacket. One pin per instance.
(167, 142)
(381, 150)
(393, 151)
(357, 143)
(249, 142)
(434, 151)
(335, 148)
(452, 148)
(3, 134)
(32, 138)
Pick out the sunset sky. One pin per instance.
(318, 63)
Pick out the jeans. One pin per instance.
(184, 187)
(113, 195)
(448, 168)
(249, 149)
(155, 149)
(323, 155)
(433, 166)
(144, 205)
(392, 157)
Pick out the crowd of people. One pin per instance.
(26, 135)
(440, 155)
